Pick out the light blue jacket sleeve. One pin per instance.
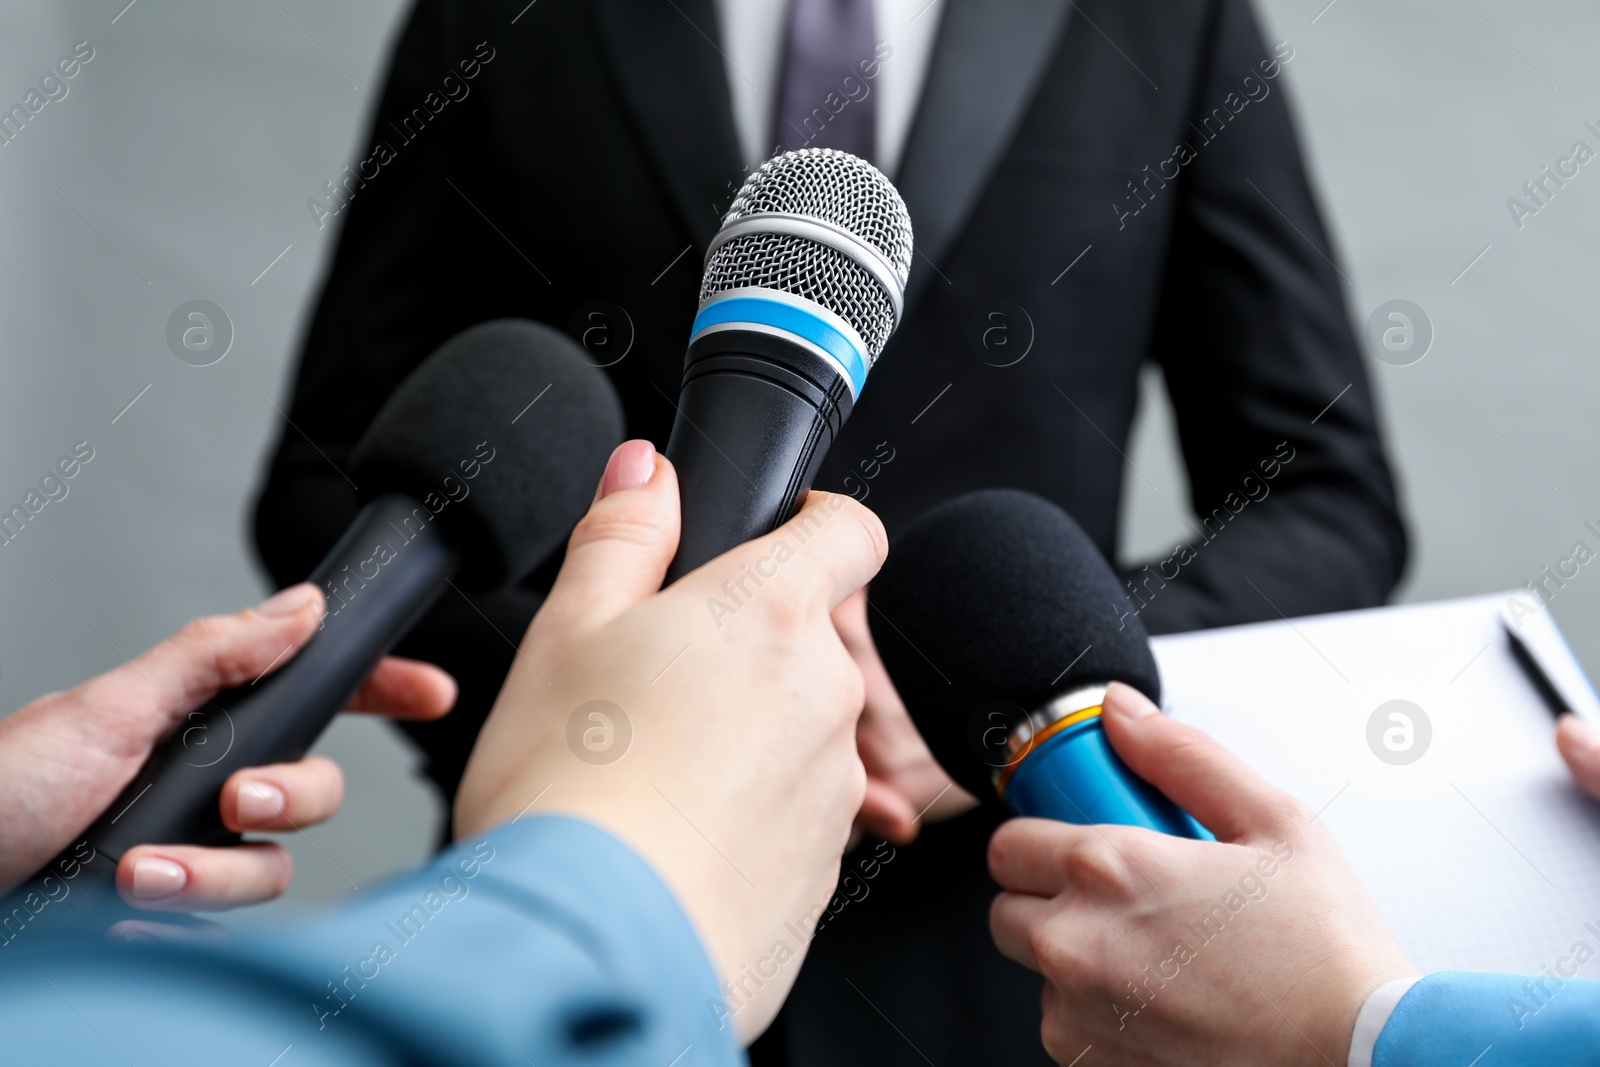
(1456, 1018)
(547, 941)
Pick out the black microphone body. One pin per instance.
(803, 286)
(756, 418)
(272, 719)
(465, 485)
(371, 606)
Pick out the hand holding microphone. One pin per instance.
(994, 616)
(64, 756)
(804, 284)
(467, 482)
(738, 777)
(1259, 947)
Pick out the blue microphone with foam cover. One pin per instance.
(995, 617)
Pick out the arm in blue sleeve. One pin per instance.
(1455, 1016)
(546, 941)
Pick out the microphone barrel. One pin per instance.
(382, 576)
(756, 417)
(1075, 776)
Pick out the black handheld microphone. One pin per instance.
(465, 482)
(996, 618)
(803, 286)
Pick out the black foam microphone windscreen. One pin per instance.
(525, 393)
(999, 596)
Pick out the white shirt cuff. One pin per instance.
(1374, 1017)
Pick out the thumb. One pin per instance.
(829, 551)
(1195, 773)
(1579, 743)
(137, 703)
(619, 552)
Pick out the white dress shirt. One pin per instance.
(752, 47)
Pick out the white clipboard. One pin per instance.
(1479, 850)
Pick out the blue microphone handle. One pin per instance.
(1075, 776)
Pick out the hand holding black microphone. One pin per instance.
(467, 482)
(804, 285)
(64, 757)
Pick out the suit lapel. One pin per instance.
(987, 61)
(668, 68)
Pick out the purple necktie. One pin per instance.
(823, 100)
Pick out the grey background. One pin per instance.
(184, 154)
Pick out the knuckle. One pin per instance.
(1190, 746)
(322, 786)
(209, 644)
(1000, 849)
(204, 632)
(849, 687)
(282, 871)
(1096, 863)
(1061, 1042)
(853, 698)
(1282, 811)
(786, 611)
(858, 784)
(335, 798)
(870, 527)
(1058, 957)
(620, 523)
(831, 683)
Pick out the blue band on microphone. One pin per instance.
(1076, 776)
(790, 319)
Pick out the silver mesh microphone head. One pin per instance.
(823, 225)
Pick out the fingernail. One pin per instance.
(140, 930)
(260, 804)
(157, 879)
(630, 466)
(288, 601)
(132, 930)
(1126, 700)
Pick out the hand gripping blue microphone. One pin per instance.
(997, 620)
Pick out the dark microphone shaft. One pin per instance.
(380, 579)
(756, 417)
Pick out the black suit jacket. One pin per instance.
(590, 160)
